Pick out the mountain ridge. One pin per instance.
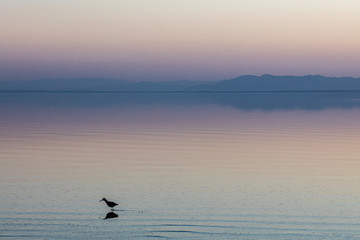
(269, 82)
(246, 83)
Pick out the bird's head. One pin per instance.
(104, 199)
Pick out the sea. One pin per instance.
(201, 165)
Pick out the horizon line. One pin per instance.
(184, 80)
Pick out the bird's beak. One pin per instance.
(101, 200)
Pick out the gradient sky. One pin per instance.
(174, 40)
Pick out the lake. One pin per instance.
(180, 165)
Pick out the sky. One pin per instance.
(165, 40)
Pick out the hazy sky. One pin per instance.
(178, 39)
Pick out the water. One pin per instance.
(181, 166)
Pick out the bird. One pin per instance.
(110, 204)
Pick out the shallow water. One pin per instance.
(182, 166)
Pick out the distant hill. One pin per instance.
(242, 83)
(95, 84)
(283, 83)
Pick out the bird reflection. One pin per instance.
(110, 215)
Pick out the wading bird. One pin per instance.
(110, 204)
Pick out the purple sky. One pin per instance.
(175, 40)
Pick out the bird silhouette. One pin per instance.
(110, 204)
(110, 215)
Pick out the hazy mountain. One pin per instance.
(62, 84)
(283, 83)
(94, 84)
(242, 83)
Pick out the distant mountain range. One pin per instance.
(95, 84)
(246, 83)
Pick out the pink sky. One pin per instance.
(174, 40)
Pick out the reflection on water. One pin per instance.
(243, 101)
(110, 215)
(238, 166)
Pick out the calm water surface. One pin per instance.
(181, 166)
